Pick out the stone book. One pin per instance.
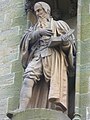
(55, 41)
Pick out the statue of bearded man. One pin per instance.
(38, 59)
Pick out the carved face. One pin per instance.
(40, 12)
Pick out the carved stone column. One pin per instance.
(82, 106)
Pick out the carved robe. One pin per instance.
(61, 58)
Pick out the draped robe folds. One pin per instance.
(58, 91)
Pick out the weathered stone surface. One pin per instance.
(7, 79)
(12, 25)
(38, 114)
(83, 59)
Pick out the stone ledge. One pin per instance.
(38, 114)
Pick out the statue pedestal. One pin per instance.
(38, 114)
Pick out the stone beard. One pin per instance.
(43, 22)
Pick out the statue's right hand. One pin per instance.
(36, 34)
(42, 32)
(46, 32)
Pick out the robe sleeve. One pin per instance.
(25, 47)
(68, 47)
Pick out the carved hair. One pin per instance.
(45, 6)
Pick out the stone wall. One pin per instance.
(83, 60)
(12, 25)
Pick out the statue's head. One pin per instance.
(42, 9)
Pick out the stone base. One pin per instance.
(38, 114)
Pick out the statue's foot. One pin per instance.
(12, 113)
(58, 108)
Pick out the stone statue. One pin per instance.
(40, 59)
